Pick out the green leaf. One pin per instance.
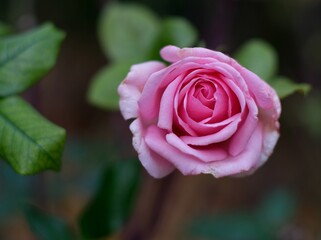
(28, 142)
(259, 57)
(27, 57)
(285, 86)
(127, 32)
(47, 227)
(5, 29)
(276, 210)
(109, 209)
(236, 226)
(178, 31)
(103, 89)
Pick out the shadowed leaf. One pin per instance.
(27, 57)
(109, 209)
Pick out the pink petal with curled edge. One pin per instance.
(190, 165)
(187, 164)
(129, 96)
(264, 95)
(245, 131)
(212, 153)
(244, 163)
(130, 89)
(202, 128)
(270, 138)
(139, 73)
(222, 108)
(174, 54)
(220, 136)
(165, 118)
(156, 166)
(157, 83)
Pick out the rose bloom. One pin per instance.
(204, 113)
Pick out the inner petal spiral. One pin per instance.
(204, 92)
(205, 104)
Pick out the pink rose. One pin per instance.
(204, 113)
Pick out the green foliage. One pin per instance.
(261, 58)
(127, 32)
(110, 208)
(47, 227)
(285, 86)
(4, 29)
(28, 142)
(27, 57)
(131, 33)
(264, 223)
(177, 31)
(103, 90)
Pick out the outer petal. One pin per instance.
(187, 164)
(174, 54)
(265, 96)
(130, 89)
(156, 166)
(243, 163)
(270, 138)
(129, 96)
(190, 165)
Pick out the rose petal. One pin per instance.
(149, 101)
(195, 109)
(223, 134)
(189, 165)
(206, 132)
(242, 163)
(139, 73)
(156, 166)
(210, 154)
(270, 138)
(130, 89)
(265, 96)
(174, 54)
(129, 96)
(245, 131)
(165, 118)
(156, 139)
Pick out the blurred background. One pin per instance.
(284, 195)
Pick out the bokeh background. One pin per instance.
(176, 207)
